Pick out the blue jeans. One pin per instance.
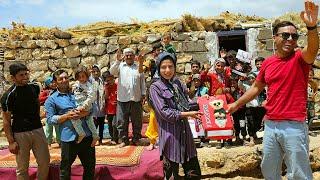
(288, 141)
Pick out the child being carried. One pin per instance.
(85, 95)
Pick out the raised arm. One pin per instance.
(115, 67)
(310, 18)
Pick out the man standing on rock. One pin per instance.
(286, 76)
(22, 125)
(131, 93)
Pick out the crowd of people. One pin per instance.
(276, 94)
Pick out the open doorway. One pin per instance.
(232, 40)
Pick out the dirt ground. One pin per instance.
(205, 153)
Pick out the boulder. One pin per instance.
(217, 160)
(77, 40)
(10, 54)
(62, 42)
(124, 40)
(265, 34)
(180, 68)
(201, 35)
(101, 40)
(103, 60)
(72, 51)
(67, 63)
(153, 38)
(194, 46)
(73, 62)
(13, 44)
(57, 53)
(112, 47)
(62, 35)
(97, 49)
(29, 44)
(41, 54)
(41, 43)
(51, 44)
(316, 73)
(89, 40)
(113, 40)
(181, 37)
(24, 54)
(144, 48)
(136, 39)
(315, 159)
(88, 61)
(37, 76)
(38, 65)
(177, 45)
(52, 65)
(84, 51)
(183, 58)
(316, 63)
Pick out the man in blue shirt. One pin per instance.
(60, 109)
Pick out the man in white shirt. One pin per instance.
(131, 93)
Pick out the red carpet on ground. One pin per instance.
(150, 167)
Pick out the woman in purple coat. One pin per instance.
(169, 100)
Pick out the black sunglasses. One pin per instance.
(286, 36)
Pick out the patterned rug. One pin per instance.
(110, 155)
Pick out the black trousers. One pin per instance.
(99, 122)
(129, 111)
(112, 124)
(240, 115)
(191, 169)
(86, 154)
(254, 118)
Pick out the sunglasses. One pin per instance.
(286, 36)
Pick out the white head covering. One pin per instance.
(220, 60)
(128, 50)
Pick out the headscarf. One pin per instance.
(162, 56)
(48, 81)
(174, 86)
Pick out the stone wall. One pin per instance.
(45, 56)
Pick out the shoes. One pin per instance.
(219, 145)
(113, 143)
(227, 145)
(121, 145)
(135, 142)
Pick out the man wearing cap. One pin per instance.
(22, 125)
(131, 93)
(286, 76)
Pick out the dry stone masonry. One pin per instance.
(45, 56)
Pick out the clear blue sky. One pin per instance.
(68, 13)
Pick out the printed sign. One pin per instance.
(216, 122)
(244, 56)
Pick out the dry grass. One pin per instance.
(225, 21)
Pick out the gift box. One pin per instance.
(216, 122)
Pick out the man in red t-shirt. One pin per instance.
(286, 76)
